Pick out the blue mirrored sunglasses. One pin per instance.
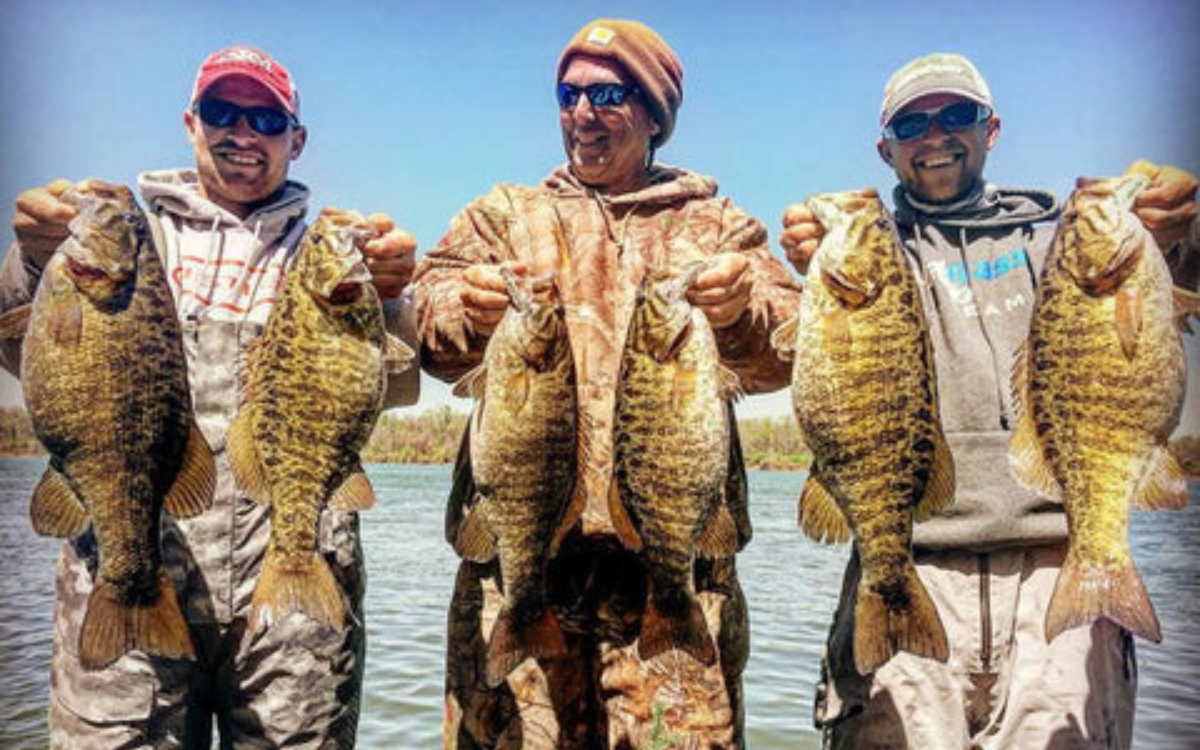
(218, 113)
(952, 117)
(599, 94)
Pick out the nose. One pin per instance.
(241, 128)
(583, 108)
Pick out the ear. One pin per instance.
(299, 138)
(189, 122)
(993, 132)
(885, 150)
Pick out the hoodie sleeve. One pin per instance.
(19, 278)
(774, 298)
(478, 234)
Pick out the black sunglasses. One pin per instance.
(952, 117)
(599, 94)
(218, 113)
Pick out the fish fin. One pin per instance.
(472, 384)
(111, 629)
(244, 459)
(1026, 460)
(462, 486)
(729, 385)
(879, 632)
(783, 338)
(687, 631)
(65, 323)
(1128, 319)
(622, 523)
(939, 489)
(737, 487)
(354, 493)
(245, 366)
(1083, 594)
(14, 322)
(821, 518)
(192, 492)
(475, 541)
(1165, 486)
(55, 509)
(837, 331)
(1187, 304)
(511, 644)
(296, 583)
(719, 537)
(398, 356)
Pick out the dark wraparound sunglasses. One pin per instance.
(599, 94)
(952, 117)
(218, 113)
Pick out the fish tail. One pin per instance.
(110, 628)
(1083, 594)
(880, 631)
(296, 583)
(512, 642)
(682, 626)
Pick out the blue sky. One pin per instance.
(414, 108)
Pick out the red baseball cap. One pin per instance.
(250, 63)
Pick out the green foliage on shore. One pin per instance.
(432, 437)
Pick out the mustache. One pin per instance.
(229, 144)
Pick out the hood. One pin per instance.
(177, 192)
(985, 207)
(667, 185)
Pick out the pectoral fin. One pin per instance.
(719, 537)
(1164, 486)
(244, 460)
(65, 325)
(475, 541)
(837, 332)
(192, 492)
(355, 493)
(55, 509)
(397, 355)
(783, 338)
(14, 322)
(1026, 459)
(939, 489)
(1187, 305)
(1129, 320)
(820, 517)
(472, 384)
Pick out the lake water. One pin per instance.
(791, 585)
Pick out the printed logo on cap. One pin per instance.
(601, 36)
(246, 56)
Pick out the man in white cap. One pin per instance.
(226, 232)
(991, 565)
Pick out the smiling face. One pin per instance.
(940, 167)
(606, 146)
(239, 168)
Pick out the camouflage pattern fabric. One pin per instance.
(599, 247)
(600, 695)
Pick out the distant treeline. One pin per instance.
(432, 437)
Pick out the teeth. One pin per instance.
(940, 161)
(240, 159)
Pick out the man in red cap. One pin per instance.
(226, 232)
(600, 223)
(990, 564)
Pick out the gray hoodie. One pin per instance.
(977, 262)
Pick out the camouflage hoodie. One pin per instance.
(599, 248)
